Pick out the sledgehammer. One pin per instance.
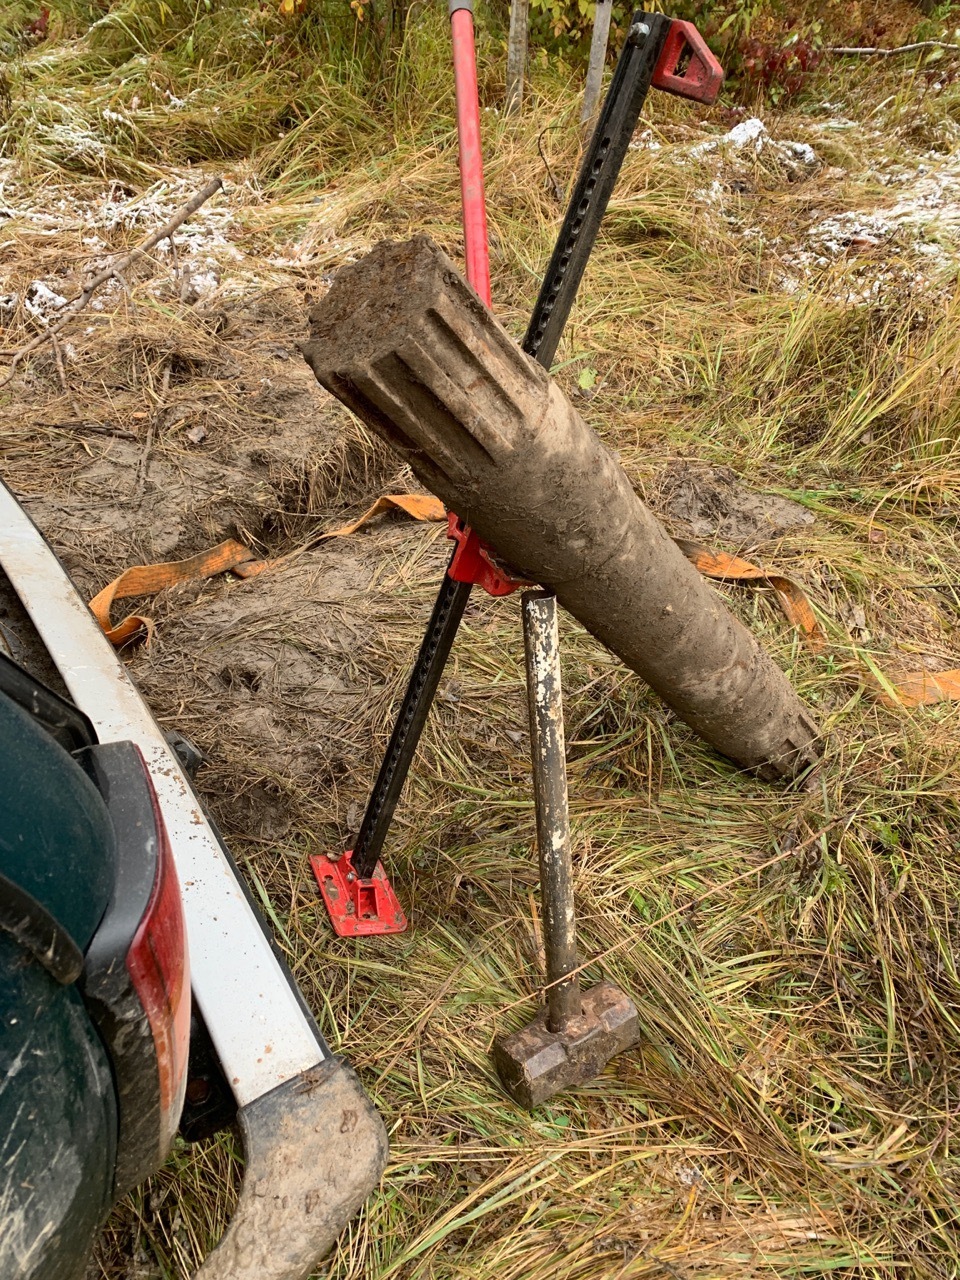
(576, 1035)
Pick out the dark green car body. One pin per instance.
(58, 1107)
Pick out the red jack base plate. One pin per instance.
(358, 908)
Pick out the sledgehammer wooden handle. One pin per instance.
(404, 342)
(541, 644)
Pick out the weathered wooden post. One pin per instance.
(598, 56)
(516, 53)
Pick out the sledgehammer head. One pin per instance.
(536, 1063)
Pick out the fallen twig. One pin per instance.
(62, 374)
(109, 273)
(858, 52)
(97, 428)
(555, 188)
(152, 425)
(176, 267)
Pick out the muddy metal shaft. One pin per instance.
(548, 753)
(403, 341)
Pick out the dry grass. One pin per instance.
(790, 1109)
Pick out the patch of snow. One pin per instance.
(845, 231)
(76, 142)
(42, 302)
(748, 133)
(201, 281)
(713, 194)
(803, 152)
(744, 142)
(106, 295)
(927, 211)
(644, 141)
(912, 245)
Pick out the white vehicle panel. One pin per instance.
(255, 1021)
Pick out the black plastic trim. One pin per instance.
(65, 723)
(38, 932)
(209, 1105)
(107, 987)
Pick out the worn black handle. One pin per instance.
(597, 178)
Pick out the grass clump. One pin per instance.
(150, 83)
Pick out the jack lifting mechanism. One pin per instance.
(571, 1040)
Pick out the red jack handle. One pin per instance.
(360, 900)
(471, 158)
(471, 562)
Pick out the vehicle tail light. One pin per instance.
(159, 968)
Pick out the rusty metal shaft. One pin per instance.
(548, 753)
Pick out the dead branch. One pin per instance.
(855, 52)
(152, 427)
(113, 271)
(96, 428)
(62, 373)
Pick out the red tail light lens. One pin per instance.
(159, 969)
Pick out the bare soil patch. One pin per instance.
(713, 502)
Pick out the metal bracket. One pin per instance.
(475, 562)
(686, 67)
(358, 906)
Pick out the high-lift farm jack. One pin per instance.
(578, 1032)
